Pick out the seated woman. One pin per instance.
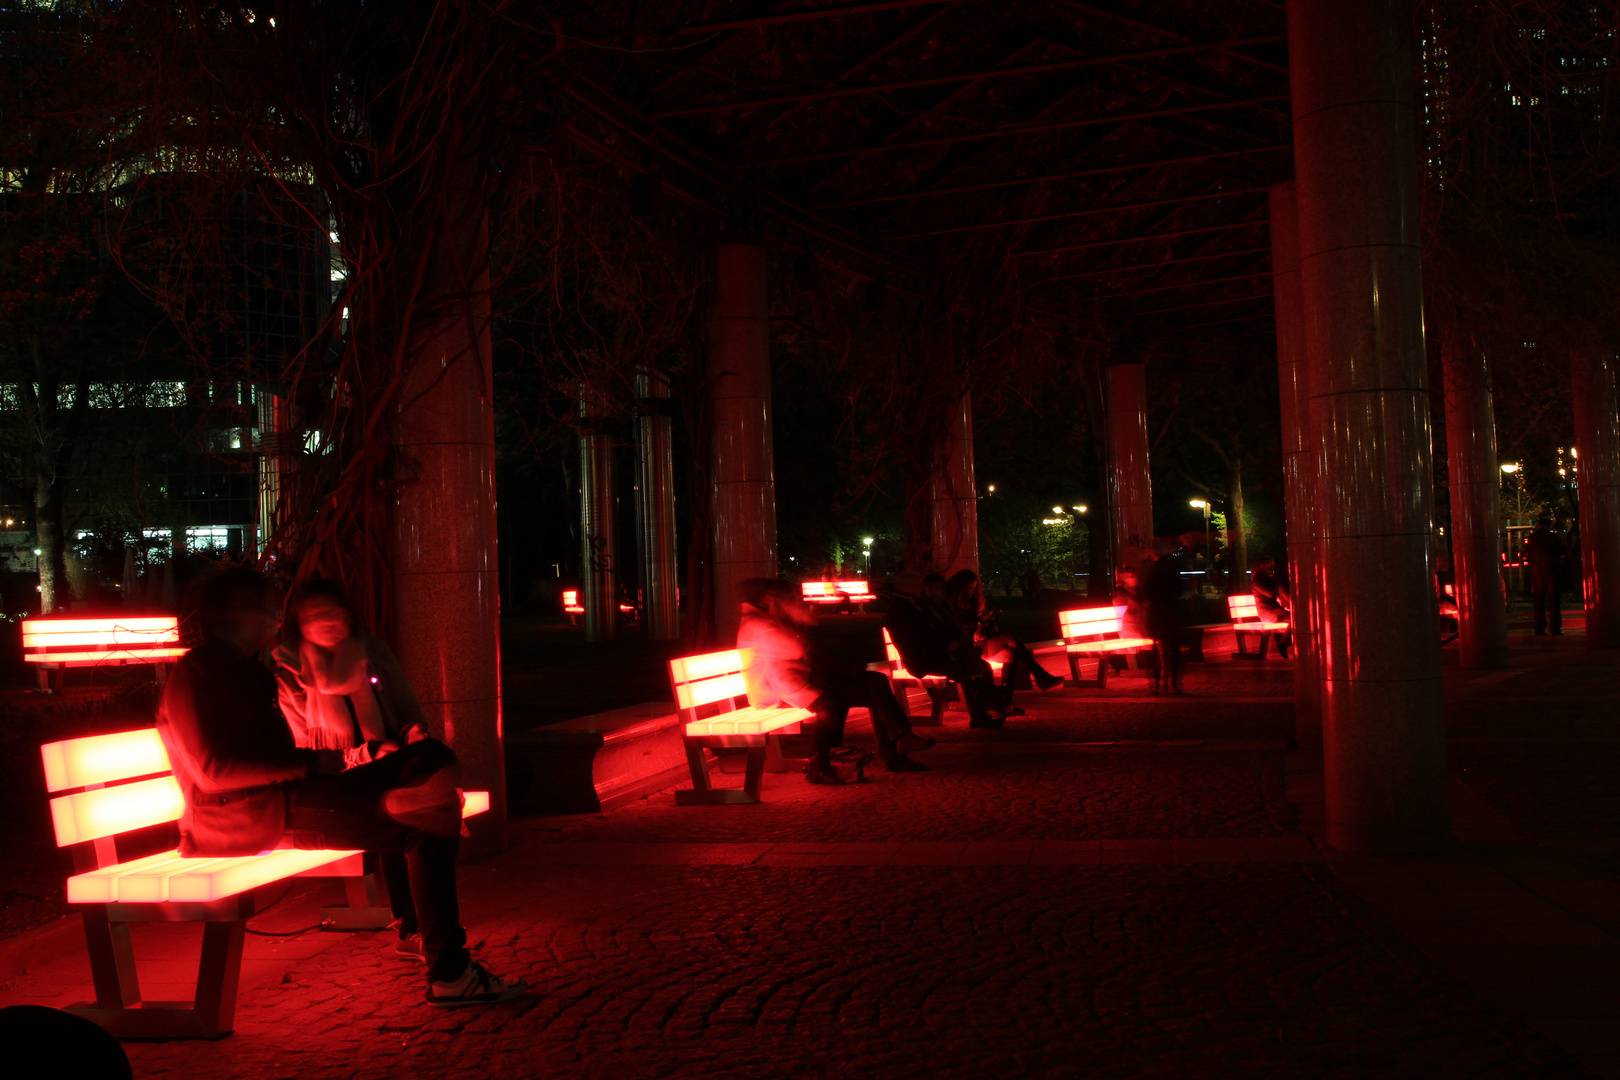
(966, 598)
(781, 668)
(1271, 599)
(341, 689)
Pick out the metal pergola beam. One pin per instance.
(832, 11)
(1129, 267)
(705, 108)
(1073, 174)
(1023, 129)
(1200, 304)
(1143, 238)
(1178, 200)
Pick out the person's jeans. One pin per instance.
(346, 812)
(868, 690)
(1544, 600)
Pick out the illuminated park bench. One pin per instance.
(939, 689)
(54, 645)
(714, 712)
(1247, 622)
(119, 783)
(836, 592)
(1098, 634)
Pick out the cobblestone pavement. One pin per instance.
(1112, 972)
(1112, 886)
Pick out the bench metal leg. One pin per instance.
(362, 908)
(112, 960)
(702, 793)
(119, 1009)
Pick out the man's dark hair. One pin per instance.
(228, 590)
(317, 589)
(759, 592)
(1543, 522)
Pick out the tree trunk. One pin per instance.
(1236, 539)
(53, 583)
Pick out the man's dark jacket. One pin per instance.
(231, 751)
(921, 642)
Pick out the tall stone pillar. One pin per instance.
(1476, 484)
(1350, 70)
(955, 509)
(1298, 461)
(1597, 472)
(655, 508)
(598, 565)
(446, 588)
(741, 462)
(1130, 485)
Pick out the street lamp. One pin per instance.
(1209, 556)
(866, 541)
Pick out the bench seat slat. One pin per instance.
(750, 721)
(1111, 645)
(1258, 627)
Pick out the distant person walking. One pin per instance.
(1164, 616)
(1546, 557)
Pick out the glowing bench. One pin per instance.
(571, 604)
(119, 783)
(940, 690)
(1247, 620)
(714, 712)
(836, 592)
(55, 645)
(1096, 633)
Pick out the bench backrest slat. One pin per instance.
(1091, 622)
(827, 591)
(103, 759)
(91, 815)
(707, 678)
(1242, 607)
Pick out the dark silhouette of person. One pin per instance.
(780, 667)
(1163, 616)
(1546, 555)
(966, 597)
(1271, 599)
(923, 634)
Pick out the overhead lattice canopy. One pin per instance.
(1116, 153)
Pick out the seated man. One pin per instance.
(929, 644)
(247, 788)
(1271, 599)
(779, 669)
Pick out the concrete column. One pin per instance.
(741, 463)
(598, 568)
(1597, 473)
(1476, 484)
(1130, 487)
(655, 508)
(1298, 461)
(1350, 70)
(446, 591)
(955, 510)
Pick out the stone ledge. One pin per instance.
(595, 763)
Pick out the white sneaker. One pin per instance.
(477, 986)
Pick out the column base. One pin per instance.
(1482, 657)
(1416, 841)
(1601, 637)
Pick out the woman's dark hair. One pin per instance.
(1265, 564)
(957, 588)
(317, 589)
(759, 592)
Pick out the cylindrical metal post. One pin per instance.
(1476, 483)
(1350, 70)
(1297, 460)
(597, 551)
(655, 508)
(1130, 484)
(955, 508)
(446, 590)
(741, 463)
(1597, 473)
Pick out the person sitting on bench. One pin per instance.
(341, 689)
(928, 645)
(247, 788)
(780, 668)
(1271, 599)
(965, 595)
